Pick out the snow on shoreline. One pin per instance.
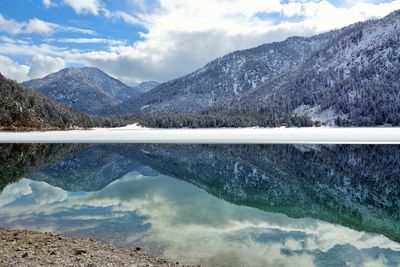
(138, 134)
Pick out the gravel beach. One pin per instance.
(30, 248)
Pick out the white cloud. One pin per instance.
(39, 26)
(183, 35)
(10, 26)
(42, 65)
(38, 66)
(32, 26)
(88, 41)
(47, 28)
(47, 3)
(292, 9)
(85, 6)
(96, 7)
(31, 50)
(129, 19)
(12, 69)
(5, 39)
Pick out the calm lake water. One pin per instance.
(214, 205)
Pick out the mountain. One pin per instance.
(350, 73)
(222, 80)
(356, 77)
(86, 89)
(22, 108)
(144, 87)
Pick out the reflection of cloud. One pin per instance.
(40, 192)
(190, 224)
(13, 191)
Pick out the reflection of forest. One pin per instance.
(353, 185)
(19, 160)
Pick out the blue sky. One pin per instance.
(138, 40)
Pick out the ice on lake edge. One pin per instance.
(137, 134)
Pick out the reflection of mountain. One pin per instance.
(17, 161)
(90, 169)
(355, 186)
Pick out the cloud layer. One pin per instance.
(181, 36)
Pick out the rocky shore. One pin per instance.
(30, 248)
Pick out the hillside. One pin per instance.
(22, 108)
(344, 77)
(355, 78)
(144, 87)
(86, 89)
(226, 78)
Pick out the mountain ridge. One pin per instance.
(328, 77)
(354, 76)
(87, 89)
(225, 77)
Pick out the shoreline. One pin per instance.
(137, 134)
(33, 248)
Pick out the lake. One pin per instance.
(213, 205)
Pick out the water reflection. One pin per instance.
(314, 206)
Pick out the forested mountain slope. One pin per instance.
(356, 78)
(22, 108)
(222, 80)
(346, 77)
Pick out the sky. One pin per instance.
(141, 40)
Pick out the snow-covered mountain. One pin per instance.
(87, 89)
(22, 108)
(146, 86)
(226, 78)
(350, 73)
(356, 77)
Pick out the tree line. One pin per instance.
(213, 120)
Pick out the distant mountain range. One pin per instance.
(87, 89)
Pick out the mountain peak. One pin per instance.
(88, 89)
(79, 70)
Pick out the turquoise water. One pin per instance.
(223, 205)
